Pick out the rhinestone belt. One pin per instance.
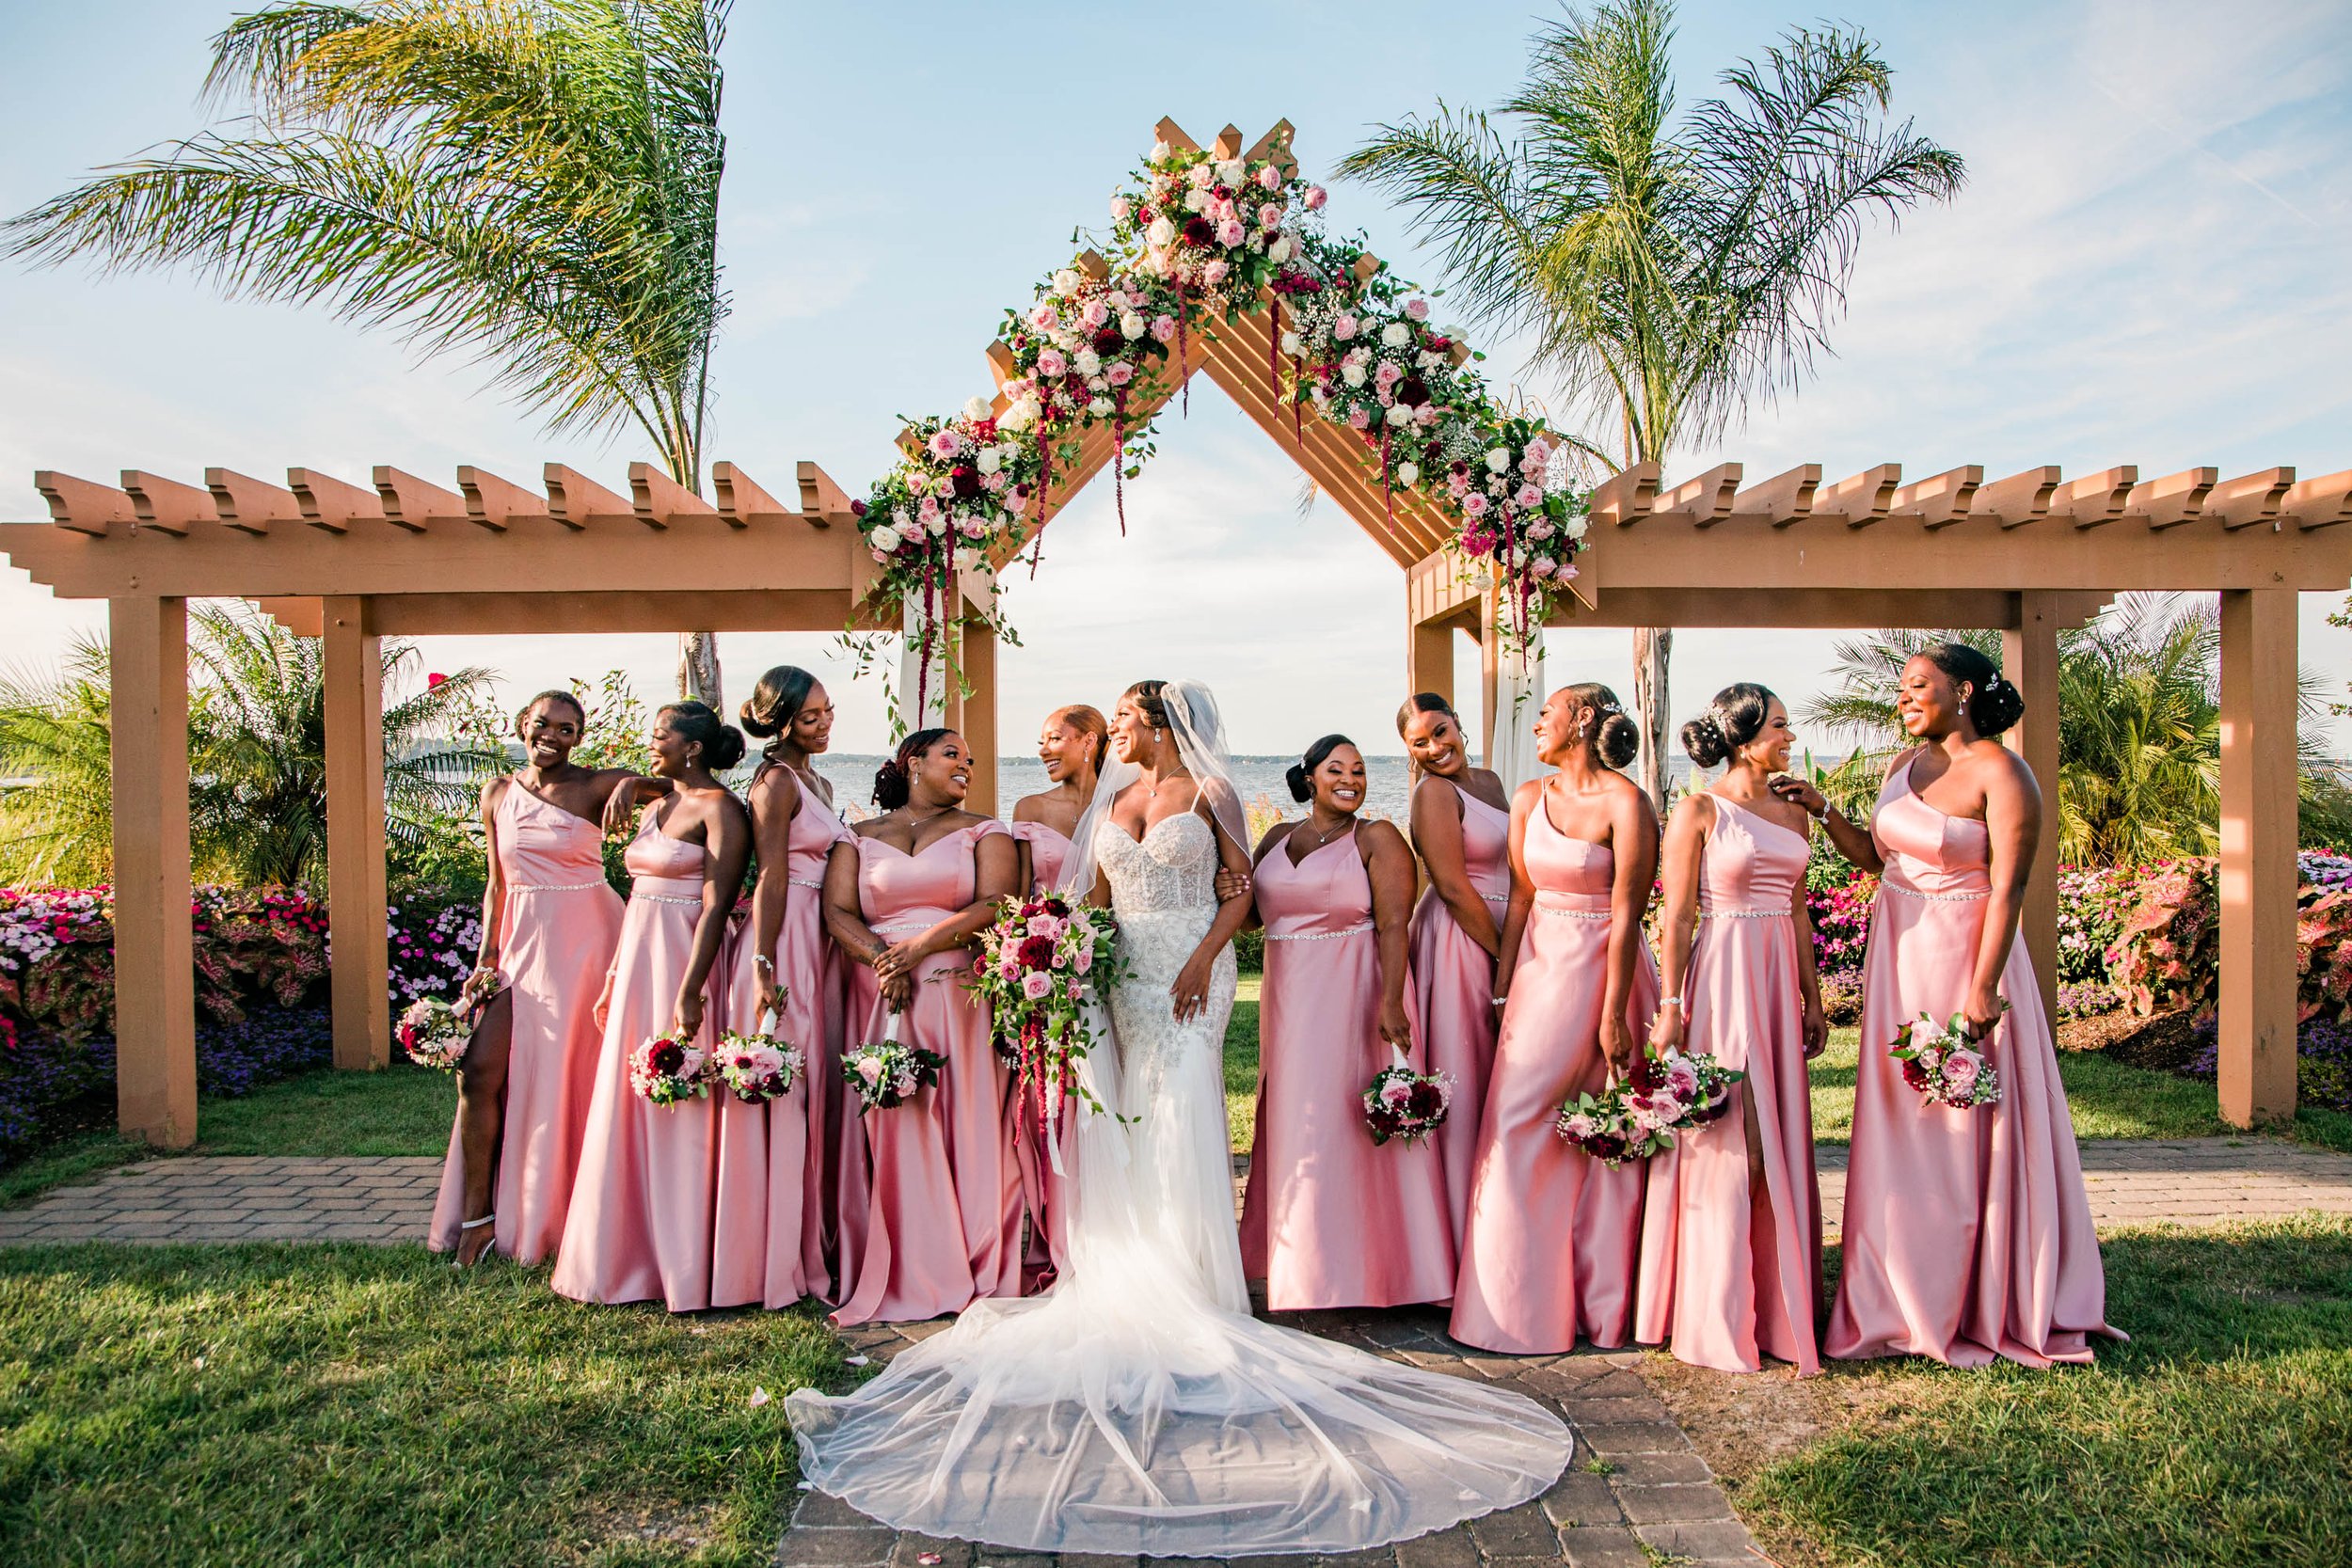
(1318, 936)
(1558, 913)
(1745, 914)
(1936, 897)
(804, 881)
(553, 887)
(667, 899)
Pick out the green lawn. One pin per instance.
(403, 1109)
(2209, 1439)
(367, 1406)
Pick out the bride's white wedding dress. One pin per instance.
(1138, 1408)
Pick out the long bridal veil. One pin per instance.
(1130, 1411)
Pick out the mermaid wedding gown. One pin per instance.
(1137, 1408)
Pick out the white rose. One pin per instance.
(975, 408)
(1098, 407)
(885, 539)
(1498, 461)
(1065, 282)
(1232, 171)
(1162, 232)
(1096, 383)
(1428, 359)
(1131, 325)
(1576, 526)
(1408, 473)
(1162, 152)
(1014, 417)
(904, 518)
(987, 462)
(1280, 251)
(1088, 362)
(938, 524)
(1199, 176)
(1395, 334)
(1398, 413)
(968, 558)
(1289, 342)
(1351, 373)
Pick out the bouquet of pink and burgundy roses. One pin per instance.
(1403, 1105)
(1639, 1114)
(1040, 965)
(886, 1073)
(665, 1069)
(1946, 1065)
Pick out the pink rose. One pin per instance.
(1528, 495)
(972, 528)
(1961, 1068)
(1037, 986)
(1214, 274)
(1474, 504)
(1357, 419)
(1120, 373)
(1388, 374)
(928, 508)
(1120, 207)
(1344, 326)
(1017, 503)
(1085, 961)
(1044, 317)
(1314, 199)
(1075, 990)
(1095, 313)
(1163, 329)
(1229, 232)
(869, 1068)
(1426, 415)
(1270, 177)
(1051, 365)
(1417, 307)
(945, 444)
(993, 483)
(1270, 216)
(1543, 566)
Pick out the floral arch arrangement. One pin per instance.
(1198, 239)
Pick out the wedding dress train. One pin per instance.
(1137, 1408)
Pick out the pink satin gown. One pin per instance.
(815, 993)
(1729, 1271)
(943, 1224)
(1044, 1252)
(671, 1204)
(1968, 1234)
(1331, 1219)
(1552, 1237)
(1454, 987)
(558, 924)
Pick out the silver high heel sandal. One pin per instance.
(464, 1225)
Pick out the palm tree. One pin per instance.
(2140, 729)
(256, 756)
(533, 183)
(1669, 272)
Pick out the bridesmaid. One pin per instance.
(1461, 822)
(1552, 1236)
(1333, 1219)
(1072, 745)
(1968, 1234)
(1731, 1240)
(549, 922)
(905, 896)
(670, 1203)
(778, 961)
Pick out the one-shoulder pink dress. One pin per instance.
(1552, 1237)
(1731, 1273)
(943, 1223)
(650, 1218)
(809, 968)
(1967, 1233)
(559, 921)
(1044, 1253)
(1330, 1218)
(1454, 987)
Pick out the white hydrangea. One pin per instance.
(1289, 342)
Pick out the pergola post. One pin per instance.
(975, 717)
(354, 678)
(1429, 657)
(1490, 678)
(2258, 711)
(2030, 659)
(155, 957)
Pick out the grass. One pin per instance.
(403, 1109)
(365, 1405)
(1241, 1065)
(2209, 1439)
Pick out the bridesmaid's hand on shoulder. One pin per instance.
(1799, 793)
(620, 806)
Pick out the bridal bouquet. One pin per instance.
(435, 1034)
(1039, 964)
(885, 1072)
(1639, 1114)
(666, 1070)
(1402, 1104)
(758, 1067)
(1946, 1065)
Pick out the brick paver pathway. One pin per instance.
(236, 1198)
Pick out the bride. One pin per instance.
(1137, 1408)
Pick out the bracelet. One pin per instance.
(761, 960)
(1501, 1001)
(1665, 1002)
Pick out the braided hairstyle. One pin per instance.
(1734, 717)
(894, 782)
(1994, 703)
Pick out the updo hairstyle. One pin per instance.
(1615, 736)
(1994, 703)
(1148, 702)
(1089, 722)
(1299, 776)
(894, 783)
(1422, 701)
(782, 693)
(722, 742)
(1734, 717)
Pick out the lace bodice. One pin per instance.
(1174, 866)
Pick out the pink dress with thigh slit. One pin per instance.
(558, 924)
(1552, 1236)
(1731, 1272)
(1967, 1233)
(1454, 987)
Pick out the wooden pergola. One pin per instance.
(401, 556)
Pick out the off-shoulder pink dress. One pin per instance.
(1729, 1271)
(809, 968)
(943, 1224)
(1330, 1218)
(671, 1204)
(1552, 1238)
(1454, 987)
(1967, 1233)
(1044, 1252)
(558, 924)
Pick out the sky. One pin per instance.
(2147, 266)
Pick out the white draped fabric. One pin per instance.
(1518, 697)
